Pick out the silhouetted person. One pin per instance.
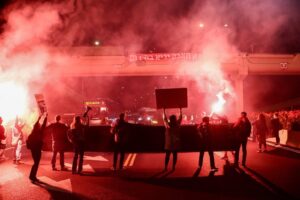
(119, 131)
(17, 140)
(2, 138)
(58, 132)
(172, 137)
(205, 134)
(35, 144)
(261, 131)
(76, 136)
(243, 130)
(276, 126)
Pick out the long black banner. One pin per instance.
(142, 138)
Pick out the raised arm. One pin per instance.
(44, 122)
(38, 120)
(165, 118)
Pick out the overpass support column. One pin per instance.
(239, 84)
(239, 88)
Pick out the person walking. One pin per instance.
(243, 130)
(262, 130)
(35, 144)
(206, 136)
(58, 132)
(172, 137)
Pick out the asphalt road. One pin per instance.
(271, 175)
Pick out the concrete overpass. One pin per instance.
(112, 61)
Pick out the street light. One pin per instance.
(96, 42)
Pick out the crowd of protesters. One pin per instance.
(290, 120)
(260, 124)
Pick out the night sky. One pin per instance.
(153, 25)
(144, 26)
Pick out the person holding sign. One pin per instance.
(35, 143)
(172, 137)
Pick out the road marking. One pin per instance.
(132, 160)
(127, 160)
(86, 168)
(95, 158)
(57, 185)
(13, 174)
(283, 147)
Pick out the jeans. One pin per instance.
(36, 156)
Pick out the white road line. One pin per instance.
(57, 185)
(127, 160)
(132, 160)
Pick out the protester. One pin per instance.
(2, 140)
(243, 130)
(77, 138)
(119, 131)
(58, 132)
(172, 137)
(275, 127)
(261, 130)
(205, 134)
(17, 141)
(35, 144)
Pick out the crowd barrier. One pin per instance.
(293, 139)
(146, 138)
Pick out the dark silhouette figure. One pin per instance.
(276, 126)
(58, 132)
(243, 130)
(35, 144)
(77, 138)
(205, 134)
(261, 130)
(2, 137)
(172, 137)
(119, 131)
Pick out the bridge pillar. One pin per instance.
(239, 84)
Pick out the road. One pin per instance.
(271, 175)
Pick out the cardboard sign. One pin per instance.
(41, 103)
(171, 98)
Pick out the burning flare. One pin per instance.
(219, 105)
(13, 101)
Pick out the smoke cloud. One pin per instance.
(215, 29)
